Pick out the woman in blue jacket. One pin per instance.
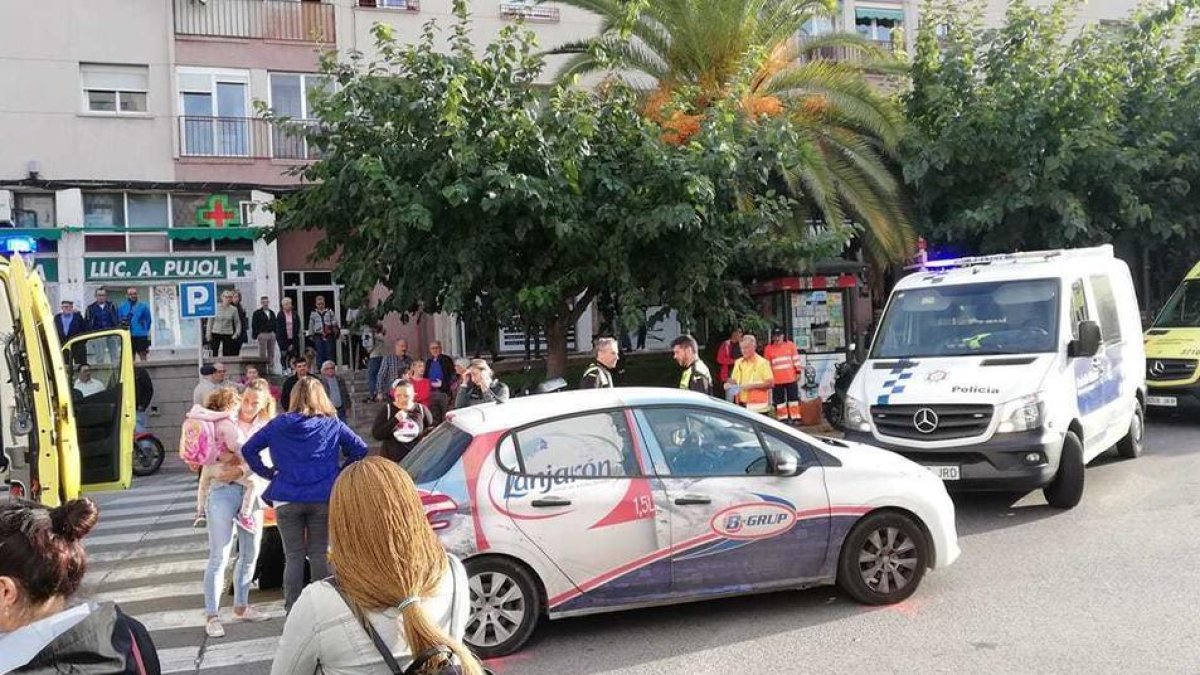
(306, 448)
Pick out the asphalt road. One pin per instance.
(1106, 587)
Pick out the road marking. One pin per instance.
(183, 589)
(165, 489)
(135, 537)
(183, 516)
(218, 654)
(146, 502)
(127, 511)
(195, 618)
(130, 555)
(127, 573)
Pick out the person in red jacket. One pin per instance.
(728, 353)
(786, 366)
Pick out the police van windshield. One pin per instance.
(1002, 317)
(1183, 309)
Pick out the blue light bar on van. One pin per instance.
(1104, 251)
(18, 245)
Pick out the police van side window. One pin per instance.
(1106, 305)
(598, 445)
(1079, 306)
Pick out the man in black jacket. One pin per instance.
(143, 390)
(262, 328)
(439, 368)
(70, 323)
(299, 370)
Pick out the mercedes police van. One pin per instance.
(1007, 372)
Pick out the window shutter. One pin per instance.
(114, 77)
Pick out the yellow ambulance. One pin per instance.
(1173, 350)
(66, 410)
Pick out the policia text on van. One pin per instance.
(1173, 350)
(56, 441)
(1007, 372)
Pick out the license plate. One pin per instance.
(945, 472)
(1162, 401)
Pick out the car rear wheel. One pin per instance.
(1067, 488)
(1135, 441)
(883, 559)
(504, 606)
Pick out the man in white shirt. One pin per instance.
(87, 386)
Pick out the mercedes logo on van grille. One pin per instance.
(925, 421)
(1158, 368)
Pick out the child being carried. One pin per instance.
(209, 439)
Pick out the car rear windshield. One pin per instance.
(434, 456)
(1005, 317)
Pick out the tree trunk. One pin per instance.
(556, 347)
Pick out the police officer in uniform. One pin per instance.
(599, 374)
(695, 373)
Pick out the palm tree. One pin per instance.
(762, 50)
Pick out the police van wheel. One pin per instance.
(1135, 441)
(505, 606)
(883, 559)
(1067, 488)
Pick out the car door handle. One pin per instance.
(549, 502)
(692, 500)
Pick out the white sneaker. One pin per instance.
(213, 628)
(250, 615)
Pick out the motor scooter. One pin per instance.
(834, 407)
(148, 454)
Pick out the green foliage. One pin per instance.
(1038, 134)
(456, 183)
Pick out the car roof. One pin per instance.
(527, 409)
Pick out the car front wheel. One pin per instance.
(883, 559)
(505, 606)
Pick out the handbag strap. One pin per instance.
(137, 653)
(365, 622)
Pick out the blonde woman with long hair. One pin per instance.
(306, 445)
(391, 578)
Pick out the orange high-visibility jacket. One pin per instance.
(786, 363)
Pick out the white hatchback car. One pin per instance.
(594, 501)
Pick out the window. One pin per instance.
(114, 89)
(789, 448)
(150, 212)
(1079, 307)
(104, 211)
(877, 24)
(587, 446)
(696, 442)
(290, 97)
(216, 111)
(123, 215)
(31, 210)
(410, 5)
(436, 454)
(1106, 305)
(184, 206)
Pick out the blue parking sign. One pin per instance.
(197, 300)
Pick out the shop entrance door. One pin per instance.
(303, 288)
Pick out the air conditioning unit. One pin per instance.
(6, 207)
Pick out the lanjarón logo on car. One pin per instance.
(753, 520)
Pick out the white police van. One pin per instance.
(1007, 372)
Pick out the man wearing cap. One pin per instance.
(212, 378)
(786, 366)
(70, 323)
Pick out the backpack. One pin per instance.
(198, 445)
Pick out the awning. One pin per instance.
(215, 233)
(879, 13)
(51, 233)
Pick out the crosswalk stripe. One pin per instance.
(130, 555)
(190, 589)
(180, 516)
(134, 537)
(165, 488)
(125, 573)
(195, 618)
(218, 655)
(128, 511)
(146, 502)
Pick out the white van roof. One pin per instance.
(1009, 266)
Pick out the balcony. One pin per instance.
(240, 138)
(283, 20)
(530, 11)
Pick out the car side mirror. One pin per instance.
(786, 464)
(1087, 344)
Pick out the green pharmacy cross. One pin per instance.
(217, 213)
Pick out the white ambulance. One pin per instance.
(1007, 372)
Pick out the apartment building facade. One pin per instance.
(131, 154)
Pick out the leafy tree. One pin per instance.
(703, 51)
(1040, 135)
(455, 182)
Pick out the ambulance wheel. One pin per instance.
(1135, 441)
(505, 606)
(883, 559)
(1065, 491)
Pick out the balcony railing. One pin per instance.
(528, 10)
(287, 20)
(406, 5)
(240, 138)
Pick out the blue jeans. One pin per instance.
(224, 501)
(373, 365)
(324, 348)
